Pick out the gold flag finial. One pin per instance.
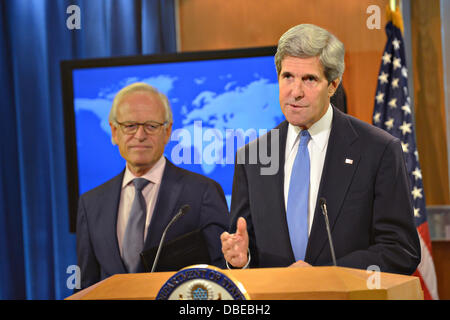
(393, 14)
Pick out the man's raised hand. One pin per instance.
(235, 245)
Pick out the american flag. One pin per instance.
(393, 112)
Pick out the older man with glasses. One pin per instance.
(127, 215)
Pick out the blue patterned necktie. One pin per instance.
(133, 240)
(298, 198)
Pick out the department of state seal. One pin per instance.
(201, 282)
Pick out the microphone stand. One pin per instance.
(323, 205)
(180, 213)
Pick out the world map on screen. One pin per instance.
(218, 106)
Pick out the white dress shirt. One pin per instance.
(317, 148)
(150, 193)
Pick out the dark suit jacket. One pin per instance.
(97, 245)
(369, 203)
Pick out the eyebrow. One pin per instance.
(285, 73)
(310, 75)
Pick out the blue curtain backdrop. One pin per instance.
(36, 247)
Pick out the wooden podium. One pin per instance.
(318, 283)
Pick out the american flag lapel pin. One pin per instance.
(348, 161)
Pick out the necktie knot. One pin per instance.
(140, 183)
(304, 137)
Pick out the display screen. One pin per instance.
(220, 101)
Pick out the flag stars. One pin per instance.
(396, 43)
(417, 174)
(376, 117)
(383, 77)
(416, 193)
(395, 94)
(386, 58)
(407, 109)
(389, 124)
(405, 128)
(397, 63)
(405, 147)
(380, 97)
(393, 103)
(394, 83)
(404, 72)
(393, 112)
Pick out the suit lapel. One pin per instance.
(165, 208)
(109, 210)
(341, 162)
(282, 152)
(278, 197)
(278, 179)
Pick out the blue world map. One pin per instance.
(218, 106)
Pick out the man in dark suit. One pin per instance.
(127, 215)
(322, 153)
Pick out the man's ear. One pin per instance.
(332, 87)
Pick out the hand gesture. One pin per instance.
(235, 246)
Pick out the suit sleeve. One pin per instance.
(89, 268)
(395, 246)
(240, 207)
(215, 220)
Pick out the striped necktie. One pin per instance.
(133, 240)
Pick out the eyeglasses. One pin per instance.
(150, 127)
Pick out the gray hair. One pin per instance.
(139, 86)
(307, 40)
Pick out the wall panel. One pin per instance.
(212, 25)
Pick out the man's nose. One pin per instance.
(297, 90)
(140, 133)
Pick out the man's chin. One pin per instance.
(297, 123)
(296, 119)
(141, 162)
(139, 168)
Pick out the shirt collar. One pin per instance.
(319, 131)
(153, 175)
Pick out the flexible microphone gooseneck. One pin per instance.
(179, 214)
(323, 206)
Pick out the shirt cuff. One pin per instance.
(244, 267)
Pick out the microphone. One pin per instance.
(323, 206)
(179, 214)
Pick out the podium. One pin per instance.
(316, 283)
